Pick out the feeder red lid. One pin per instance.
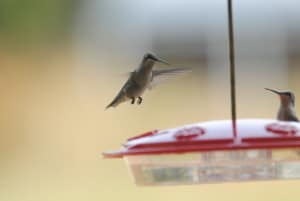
(213, 135)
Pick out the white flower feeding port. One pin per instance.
(215, 151)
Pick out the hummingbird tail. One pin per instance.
(112, 104)
(117, 100)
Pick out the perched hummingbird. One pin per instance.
(286, 111)
(142, 78)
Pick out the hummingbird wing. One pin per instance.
(159, 76)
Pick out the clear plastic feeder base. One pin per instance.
(215, 166)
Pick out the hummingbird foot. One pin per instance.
(132, 100)
(139, 100)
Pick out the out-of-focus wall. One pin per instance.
(62, 62)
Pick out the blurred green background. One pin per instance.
(62, 62)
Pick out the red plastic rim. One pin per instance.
(214, 135)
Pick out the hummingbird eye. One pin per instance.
(289, 94)
(148, 56)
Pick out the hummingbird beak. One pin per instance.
(161, 61)
(274, 91)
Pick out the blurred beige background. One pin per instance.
(62, 62)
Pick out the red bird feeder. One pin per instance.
(207, 153)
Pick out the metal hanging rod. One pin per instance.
(232, 67)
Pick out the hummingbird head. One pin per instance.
(150, 56)
(286, 97)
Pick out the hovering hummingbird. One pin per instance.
(286, 111)
(142, 78)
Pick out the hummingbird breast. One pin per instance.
(135, 88)
(144, 79)
(139, 80)
(287, 114)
